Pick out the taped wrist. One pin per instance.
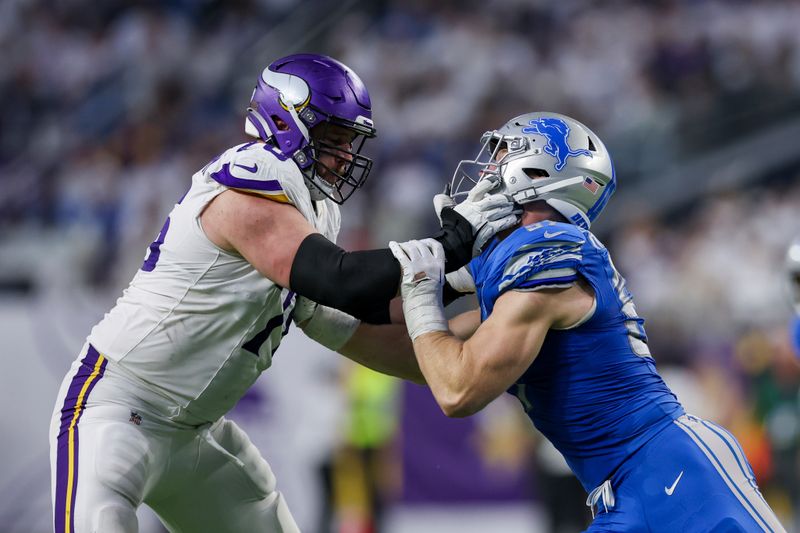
(423, 309)
(359, 283)
(330, 327)
(456, 237)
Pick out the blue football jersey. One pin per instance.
(794, 327)
(593, 390)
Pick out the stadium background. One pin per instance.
(108, 107)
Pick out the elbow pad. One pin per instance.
(359, 283)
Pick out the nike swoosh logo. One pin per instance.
(671, 489)
(252, 169)
(548, 235)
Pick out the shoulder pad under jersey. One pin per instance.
(541, 255)
(257, 169)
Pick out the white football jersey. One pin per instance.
(197, 325)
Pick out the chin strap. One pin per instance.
(314, 190)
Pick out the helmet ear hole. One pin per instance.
(534, 173)
(279, 123)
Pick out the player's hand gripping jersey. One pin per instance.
(593, 389)
(197, 325)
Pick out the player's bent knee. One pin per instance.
(115, 518)
(236, 442)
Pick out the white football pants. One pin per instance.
(107, 457)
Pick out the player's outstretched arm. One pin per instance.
(465, 375)
(283, 246)
(386, 349)
(465, 325)
(383, 348)
(266, 233)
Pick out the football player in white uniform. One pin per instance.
(140, 415)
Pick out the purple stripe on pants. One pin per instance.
(69, 412)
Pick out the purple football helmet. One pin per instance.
(298, 92)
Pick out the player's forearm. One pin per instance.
(359, 283)
(463, 326)
(363, 283)
(386, 349)
(452, 375)
(396, 312)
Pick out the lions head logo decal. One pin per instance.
(556, 131)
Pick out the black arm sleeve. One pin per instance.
(363, 283)
(450, 295)
(456, 238)
(359, 283)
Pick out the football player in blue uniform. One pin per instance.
(793, 281)
(558, 329)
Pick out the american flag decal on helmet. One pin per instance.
(590, 184)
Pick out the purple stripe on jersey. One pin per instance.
(286, 326)
(272, 323)
(254, 344)
(71, 413)
(225, 177)
(288, 323)
(275, 152)
(152, 258)
(288, 300)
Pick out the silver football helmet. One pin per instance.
(793, 274)
(544, 156)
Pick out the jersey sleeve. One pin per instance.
(254, 168)
(545, 256)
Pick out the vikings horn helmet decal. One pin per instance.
(299, 92)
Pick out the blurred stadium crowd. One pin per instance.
(108, 108)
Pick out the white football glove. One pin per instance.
(487, 213)
(423, 276)
(329, 327)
